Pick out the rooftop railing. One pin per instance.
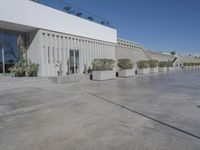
(63, 6)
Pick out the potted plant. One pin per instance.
(196, 65)
(20, 70)
(191, 65)
(24, 67)
(169, 66)
(153, 66)
(33, 70)
(102, 69)
(186, 65)
(143, 67)
(59, 66)
(164, 66)
(125, 68)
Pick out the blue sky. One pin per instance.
(160, 25)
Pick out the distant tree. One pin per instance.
(108, 23)
(90, 18)
(103, 22)
(67, 8)
(36, 1)
(173, 53)
(79, 14)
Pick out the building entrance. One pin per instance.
(74, 61)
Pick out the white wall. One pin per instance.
(187, 59)
(31, 14)
(46, 43)
(135, 54)
(35, 51)
(160, 56)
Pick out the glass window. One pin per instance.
(58, 55)
(49, 57)
(10, 53)
(1, 44)
(62, 54)
(53, 56)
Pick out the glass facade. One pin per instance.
(9, 51)
(74, 61)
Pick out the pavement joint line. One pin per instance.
(36, 107)
(146, 116)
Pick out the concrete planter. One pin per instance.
(187, 67)
(143, 71)
(154, 70)
(190, 67)
(126, 73)
(69, 78)
(103, 75)
(170, 69)
(162, 69)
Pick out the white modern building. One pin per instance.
(53, 37)
(63, 35)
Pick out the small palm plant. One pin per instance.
(59, 65)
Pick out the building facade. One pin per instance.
(53, 37)
(160, 56)
(130, 50)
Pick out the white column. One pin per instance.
(87, 53)
(50, 55)
(45, 45)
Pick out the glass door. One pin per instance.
(9, 51)
(1, 54)
(74, 61)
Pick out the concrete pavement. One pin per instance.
(156, 112)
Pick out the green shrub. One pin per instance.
(22, 67)
(103, 64)
(153, 63)
(165, 64)
(17, 70)
(124, 64)
(33, 70)
(143, 64)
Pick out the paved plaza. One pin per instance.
(153, 112)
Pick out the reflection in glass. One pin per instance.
(74, 61)
(8, 42)
(1, 62)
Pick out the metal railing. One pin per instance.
(63, 6)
